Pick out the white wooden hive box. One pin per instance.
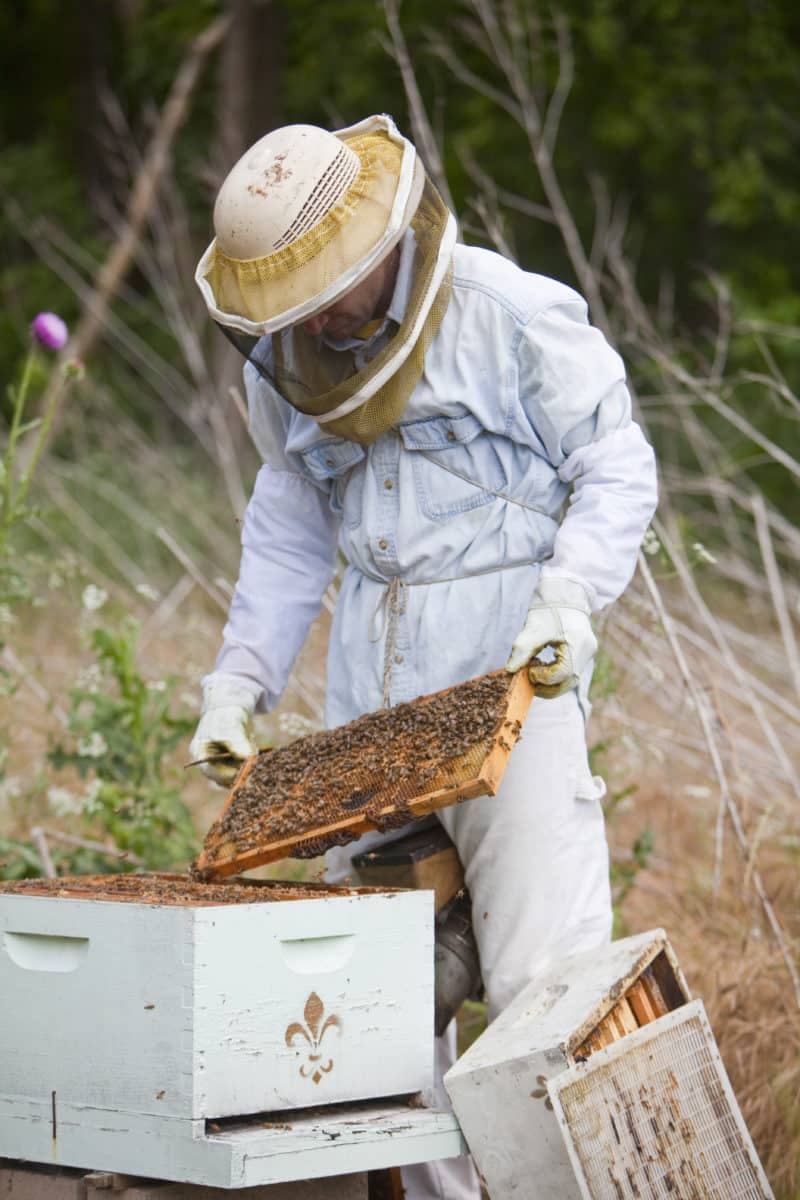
(180, 1014)
(524, 1098)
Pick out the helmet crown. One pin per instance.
(280, 188)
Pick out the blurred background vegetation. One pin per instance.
(645, 152)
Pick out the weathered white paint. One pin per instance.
(499, 1088)
(359, 1137)
(145, 1020)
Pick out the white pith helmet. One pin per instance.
(280, 188)
(304, 216)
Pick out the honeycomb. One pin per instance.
(174, 889)
(379, 772)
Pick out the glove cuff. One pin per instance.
(221, 690)
(562, 590)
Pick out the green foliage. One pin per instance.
(122, 732)
(472, 1018)
(18, 860)
(624, 872)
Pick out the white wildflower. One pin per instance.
(93, 598)
(55, 580)
(697, 791)
(191, 700)
(10, 789)
(148, 592)
(295, 725)
(90, 802)
(7, 618)
(94, 746)
(157, 685)
(650, 543)
(89, 679)
(703, 554)
(63, 802)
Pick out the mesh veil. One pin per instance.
(319, 381)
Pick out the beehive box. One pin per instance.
(379, 772)
(149, 1005)
(602, 1081)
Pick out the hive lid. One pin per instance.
(379, 772)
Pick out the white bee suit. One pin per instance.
(446, 523)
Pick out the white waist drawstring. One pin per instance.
(392, 605)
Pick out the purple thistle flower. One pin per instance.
(50, 331)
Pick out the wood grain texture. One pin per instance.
(477, 773)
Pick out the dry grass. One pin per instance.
(733, 967)
(698, 885)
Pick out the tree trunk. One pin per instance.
(249, 105)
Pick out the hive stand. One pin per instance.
(22, 1181)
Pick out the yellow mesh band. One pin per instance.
(366, 331)
(261, 288)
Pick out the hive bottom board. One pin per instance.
(313, 1144)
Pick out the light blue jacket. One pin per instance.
(515, 454)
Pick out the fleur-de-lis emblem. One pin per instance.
(313, 1032)
(540, 1093)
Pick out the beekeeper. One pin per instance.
(457, 428)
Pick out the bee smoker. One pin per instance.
(457, 969)
(428, 859)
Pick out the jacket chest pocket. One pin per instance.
(457, 464)
(341, 464)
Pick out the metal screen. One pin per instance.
(654, 1115)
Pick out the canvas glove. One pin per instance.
(558, 618)
(225, 728)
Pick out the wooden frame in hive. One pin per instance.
(379, 772)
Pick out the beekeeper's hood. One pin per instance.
(303, 217)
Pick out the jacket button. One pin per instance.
(398, 658)
(329, 462)
(387, 483)
(383, 544)
(451, 437)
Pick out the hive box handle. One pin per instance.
(312, 955)
(46, 952)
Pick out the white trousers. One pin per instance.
(535, 861)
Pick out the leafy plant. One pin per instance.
(122, 733)
(19, 859)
